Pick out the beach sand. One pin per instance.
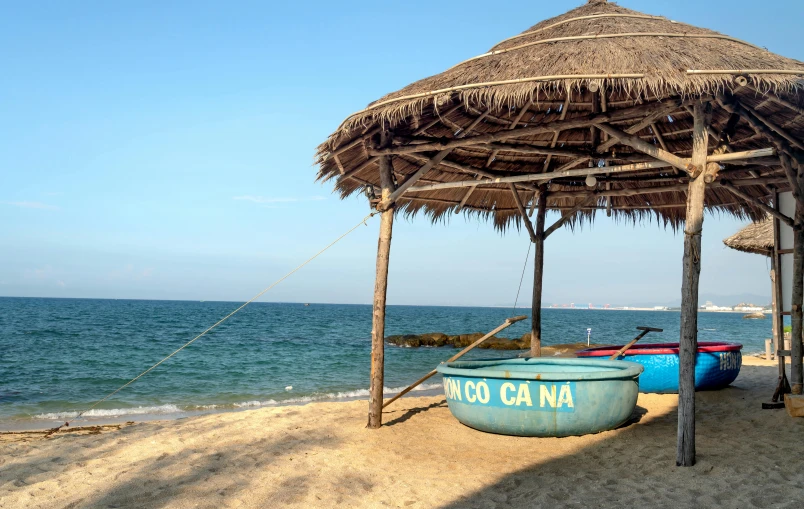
(320, 455)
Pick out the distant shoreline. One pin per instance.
(303, 303)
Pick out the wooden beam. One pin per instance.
(492, 156)
(688, 343)
(523, 213)
(547, 127)
(380, 289)
(646, 148)
(532, 177)
(778, 100)
(764, 208)
(428, 165)
(734, 106)
(436, 120)
(642, 124)
(532, 149)
(772, 126)
(566, 217)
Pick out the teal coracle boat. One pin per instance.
(540, 397)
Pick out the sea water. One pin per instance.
(58, 356)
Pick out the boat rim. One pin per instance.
(614, 370)
(660, 349)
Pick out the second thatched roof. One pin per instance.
(755, 238)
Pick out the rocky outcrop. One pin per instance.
(438, 339)
(755, 316)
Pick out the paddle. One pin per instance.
(507, 323)
(642, 334)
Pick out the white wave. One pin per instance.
(173, 409)
(113, 412)
(346, 395)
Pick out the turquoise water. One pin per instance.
(58, 356)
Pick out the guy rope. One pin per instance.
(81, 413)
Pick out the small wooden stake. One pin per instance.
(688, 344)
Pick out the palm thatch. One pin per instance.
(534, 104)
(755, 238)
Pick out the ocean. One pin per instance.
(58, 356)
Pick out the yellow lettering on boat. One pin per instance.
(545, 396)
(469, 386)
(565, 396)
(523, 396)
(507, 386)
(482, 392)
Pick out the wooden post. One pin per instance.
(776, 273)
(688, 349)
(796, 315)
(538, 272)
(380, 287)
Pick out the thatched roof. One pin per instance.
(527, 106)
(755, 238)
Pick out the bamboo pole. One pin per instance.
(538, 274)
(688, 344)
(507, 323)
(380, 291)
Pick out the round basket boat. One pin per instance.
(716, 365)
(541, 397)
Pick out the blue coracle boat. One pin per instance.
(716, 365)
(541, 397)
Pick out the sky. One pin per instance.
(164, 150)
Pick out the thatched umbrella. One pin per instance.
(756, 238)
(601, 108)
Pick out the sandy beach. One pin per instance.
(320, 455)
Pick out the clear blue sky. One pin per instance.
(128, 131)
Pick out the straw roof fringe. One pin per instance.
(598, 57)
(756, 238)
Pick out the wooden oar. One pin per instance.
(507, 323)
(642, 334)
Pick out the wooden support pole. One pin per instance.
(797, 301)
(796, 180)
(523, 213)
(538, 273)
(688, 348)
(778, 336)
(566, 217)
(380, 288)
